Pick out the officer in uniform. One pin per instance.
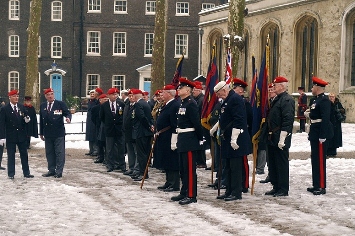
(302, 106)
(320, 132)
(187, 141)
(90, 131)
(280, 124)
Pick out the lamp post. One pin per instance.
(200, 33)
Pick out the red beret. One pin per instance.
(28, 98)
(48, 90)
(112, 91)
(169, 87)
(12, 92)
(300, 88)
(319, 82)
(271, 85)
(99, 90)
(103, 96)
(280, 80)
(135, 91)
(185, 82)
(157, 92)
(198, 85)
(239, 82)
(145, 93)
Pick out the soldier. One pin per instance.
(320, 132)
(2, 104)
(302, 106)
(32, 126)
(90, 132)
(280, 124)
(187, 142)
(13, 121)
(235, 139)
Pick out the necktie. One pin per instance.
(49, 107)
(15, 109)
(113, 108)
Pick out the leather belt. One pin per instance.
(179, 130)
(316, 121)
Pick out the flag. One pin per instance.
(177, 73)
(210, 98)
(228, 73)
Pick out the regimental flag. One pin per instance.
(210, 98)
(177, 73)
(228, 73)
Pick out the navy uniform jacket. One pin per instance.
(112, 123)
(320, 109)
(90, 132)
(167, 118)
(280, 118)
(143, 120)
(99, 126)
(13, 127)
(233, 115)
(32, 126)
(249, 111)
(188, 117)
(51, 124)
(128, 122)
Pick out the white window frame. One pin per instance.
(14, 10)
(13, 75)
(94, 6)
(181, 44)
(14, 46)
(150, 7)
(206, 6)
(117, 4)
(89, 79)
(182, 9)
(148, 44)
(119, 51)
(56, 47)
(57, 11)
(93, 42)
(119, 81)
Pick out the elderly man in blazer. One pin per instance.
(52, 132)
(13, 121)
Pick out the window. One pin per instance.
(181, 45)
(119, 43)
(207, 5)
(14, 79)
(118, 81)
(14, 10)
(14, 46)
(182, 8)
(120, 7)
(93, 43)
(94, 6)
(56, 42)
(150, 7)
(148, 44)
(56, 11)
(92, 82)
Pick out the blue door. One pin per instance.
(56, 85)
(147, 85)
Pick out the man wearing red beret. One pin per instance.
(90, 130)
(280, 125)
(52, 132)
(13, 122)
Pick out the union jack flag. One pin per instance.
(228, 73)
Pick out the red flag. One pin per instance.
(177, 73)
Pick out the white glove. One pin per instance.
(281, 143)
(306, 113)
(214, 128)
(234, 137)
(27, 119)
(173, 141)
(322, 140)
(2, 142)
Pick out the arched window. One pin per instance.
(347, 71)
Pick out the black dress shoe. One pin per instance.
(140, 177)
(88, 154)
(267, 180)
(271, 192)
(48, 174)
(28, 176)
(281, 193)
(187, 200)
(311, 189)
(128, 172)
(165, 186)
(171, 189)
(98, 160)
(178, 197)
(212, 185)
(232, 198)
(109, 170)
(319, 191)
(223, 196)
(94, 154)
(245, 190)
(2, 168)
(58, 175)
(11, 177)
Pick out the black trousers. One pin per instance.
(188, 173)
(55, 154)
(173, 178)
(115, 152)
(279, 168)
(318, 161)
(11, 150)
(233, 170)
(143, 148)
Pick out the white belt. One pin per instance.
(316, 121)
(179, 131)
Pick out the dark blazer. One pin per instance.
(128, 122)
(90, 131)
(142, 120)
(12, 126)
(32, 126)
(51, 123)
(112, 123)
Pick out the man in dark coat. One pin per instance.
(280, 124)
(165, 127)
(235, 139)
(302, 106)
(13, 121)
(90, 132)
(111, 114)
(100, 129)
(187, 142)
(32, 126)
(2, 104)
(320, 132)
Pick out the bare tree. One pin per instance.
(31, 88)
